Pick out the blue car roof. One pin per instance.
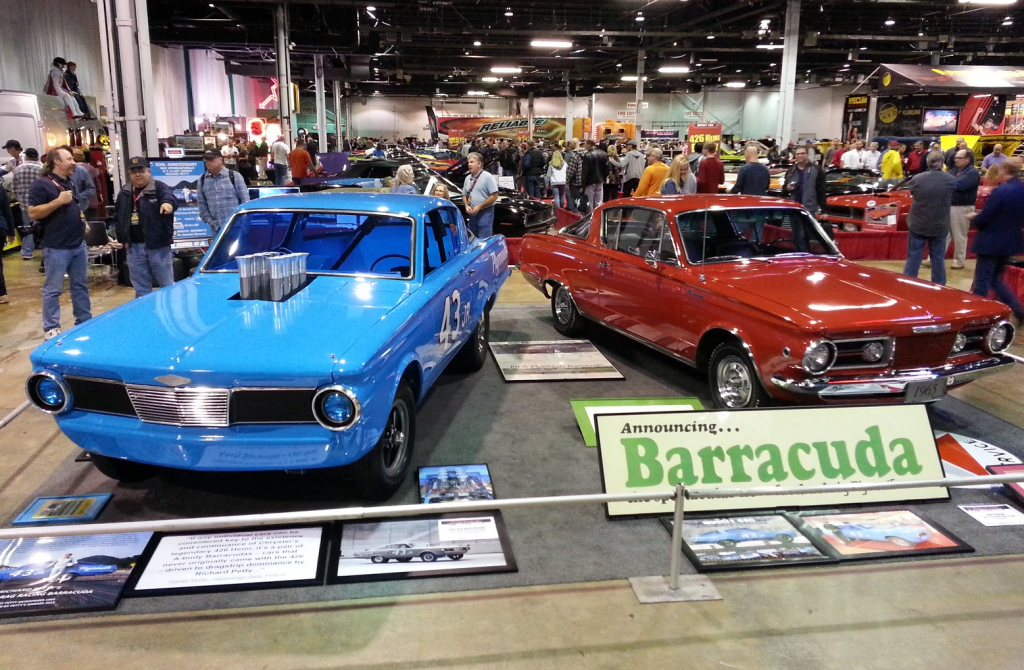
(415, 205)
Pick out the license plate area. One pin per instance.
(926, 391)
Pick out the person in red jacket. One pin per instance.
(837, 157)
(711, 172)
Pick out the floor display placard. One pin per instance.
(58, 575)
(586, 409)
(450, 483)
(883, 534)
(763, 541)
(246, 559)
(552, 360)
(648, 452)
(431, 546)
(1017, 488)
(63, 509)
(995, 515)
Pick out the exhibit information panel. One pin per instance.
(183, 178)
(747, 449)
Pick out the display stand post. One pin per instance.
(658, 589)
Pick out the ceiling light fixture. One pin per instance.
(735, 84)
(987, 2)
(476, 93)
(506, 70)
(371, 8)
(553, 44)
(671, 69)
(508, 12)
(890, 22)
(490, 79)
(640, 17)
(630, 77)
(1008, 21)
(771, 46)
(476, 43)
(711, 37)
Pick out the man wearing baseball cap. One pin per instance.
(220, 191)
(892, 163)
(13, 147)
(144, 211)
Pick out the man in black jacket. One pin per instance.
(534, 167)
(595, 172)
(145, 224)
(6, 235)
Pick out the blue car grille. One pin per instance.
(180, 407)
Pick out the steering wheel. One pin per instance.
(374, 264)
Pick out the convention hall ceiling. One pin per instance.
(452, 46)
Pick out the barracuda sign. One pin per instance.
(767, 448)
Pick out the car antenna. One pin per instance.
(703, 245)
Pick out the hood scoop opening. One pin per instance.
(271, 276)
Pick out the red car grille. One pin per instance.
(919, 351)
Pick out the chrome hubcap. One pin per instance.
(563, 305)
(734, 383)
(396, 440)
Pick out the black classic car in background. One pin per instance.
(514, 213)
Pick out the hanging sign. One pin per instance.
(704, 132)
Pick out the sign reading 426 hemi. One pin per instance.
(747, 449)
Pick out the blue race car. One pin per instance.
(196, 377)
(730, 537)
(901, 536)
(42, 571)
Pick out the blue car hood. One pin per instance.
(196, 330)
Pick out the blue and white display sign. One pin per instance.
(183, 178)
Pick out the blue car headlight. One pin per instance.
(49, 392)
(335, 407)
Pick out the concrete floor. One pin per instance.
(951, 613)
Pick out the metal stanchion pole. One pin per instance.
(677, 538)
(14, 414)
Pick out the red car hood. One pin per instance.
(902, 196)
(839, 295)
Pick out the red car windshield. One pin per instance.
(722, 234)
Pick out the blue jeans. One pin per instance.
(145, 265)
(936, 251)
(988, 275)
(28, 243)
(481, 224)
(280, 174)
(59, 262)
(533, 183)
(558, 192)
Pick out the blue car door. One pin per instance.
(450, 308)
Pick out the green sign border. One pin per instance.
(579, 408)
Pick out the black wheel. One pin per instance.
(782, 537)
(121, 470)
(899, 541)
(473, 354)
(455, 557)
(733, 379)
(727, 543)
(379, 473)
(404, 559)
(378, 559)
(568, 320)
(179, 268)
(428, 557)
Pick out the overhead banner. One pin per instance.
(183, 178)
(659, 134)
(961, 78)
(916, 115)
(855, 117)
(704, 132)
(507, 127)
(767, 448)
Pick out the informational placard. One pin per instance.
(995, 515)
(552, 360)
(704, 132)
(586, 409)
(245, 559)
(767, 448)
(63, 509)
(452, 483)
(183, 178)
(508, 182)
(882, 214)
(57, 575)
(429, 546)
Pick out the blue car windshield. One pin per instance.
(337, 242)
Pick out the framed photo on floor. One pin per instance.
(887, 533)
(748, 541)
(1016, 488)
(237, 560)
(455, 483)
(63, 509)
(552, 360)
(436, 545)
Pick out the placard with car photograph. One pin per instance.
(1017, 488)
(63, 509)
(750, 541)
(455, 483)
(552, 360)
(58, 575)
(429, 546)
(884, 533)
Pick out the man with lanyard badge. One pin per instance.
(52, 202)
(145, 223)
(480, 192)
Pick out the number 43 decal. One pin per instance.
(453, 321)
